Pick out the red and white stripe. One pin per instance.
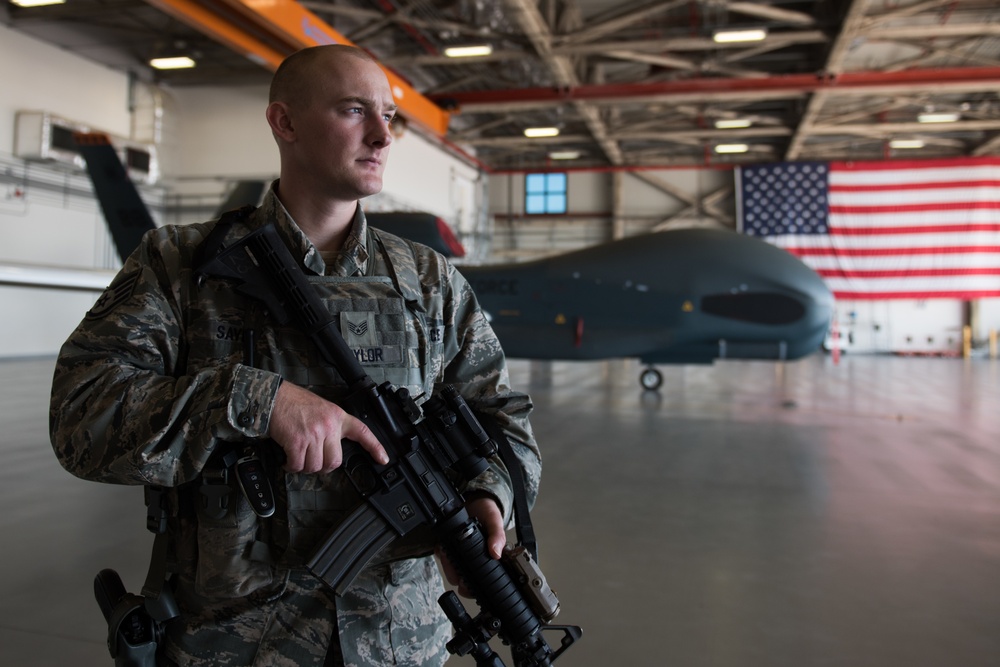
(927, 229)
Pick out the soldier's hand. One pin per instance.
(309, 428)
(486, 510)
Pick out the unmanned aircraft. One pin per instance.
(683, 296)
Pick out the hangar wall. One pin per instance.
(52, 225)
(37, 76)
(599, 209)
(206, 139)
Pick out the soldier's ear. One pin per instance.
(280, 120)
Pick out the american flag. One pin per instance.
(883, 230)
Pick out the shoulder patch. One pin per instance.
(117, 292)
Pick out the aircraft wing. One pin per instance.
(246, 192)
(36, 275)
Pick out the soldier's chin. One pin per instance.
(371, 187)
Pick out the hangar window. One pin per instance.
(545, 193)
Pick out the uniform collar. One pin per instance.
(353, 257)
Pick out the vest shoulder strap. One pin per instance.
(401, 262)
(211, 244)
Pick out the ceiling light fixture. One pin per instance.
(36, 3)
(730, 36)
(732, 148)
(564, 155)
(732, 123)
(536, 132)
(906, 143)
(471, 51)
(180, 62)
(938, 117)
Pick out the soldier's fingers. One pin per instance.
(488, 513)
(314, 458)
(294, 458)
(356, 430)
(451, 574)
(333, 455)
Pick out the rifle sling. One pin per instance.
(522, 513)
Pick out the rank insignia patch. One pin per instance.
(358, 328)
(116, 293)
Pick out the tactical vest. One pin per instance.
(394, 329)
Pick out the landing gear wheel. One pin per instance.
(651, 379)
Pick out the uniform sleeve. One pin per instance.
(478, 369)
(124, 408)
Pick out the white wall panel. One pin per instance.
(646, 206)
(589, 218)
(905, 326)
(37, 321)
(38, 77)
(989, 318)
(422, 176)
(222, 132)
(51, 226)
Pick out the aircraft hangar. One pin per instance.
(817, 479)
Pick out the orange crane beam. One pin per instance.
(266, 31)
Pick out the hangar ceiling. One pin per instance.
(634, 83)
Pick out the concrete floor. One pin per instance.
(749, 515)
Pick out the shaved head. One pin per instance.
(331, 109)
(296, 76)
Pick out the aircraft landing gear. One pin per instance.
(651, 379)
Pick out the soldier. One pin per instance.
(167, 380)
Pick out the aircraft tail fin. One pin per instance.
(425, 228)
(245, 193)
(449, 239)
(124, 211)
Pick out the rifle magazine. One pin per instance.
(350, 547)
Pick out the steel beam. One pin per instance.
(714, 89)
(266, 31)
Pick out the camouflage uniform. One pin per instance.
(152, 388)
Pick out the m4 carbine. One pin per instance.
(427, 448)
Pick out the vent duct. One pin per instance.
(42, 136)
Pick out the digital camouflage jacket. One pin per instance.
(154, 388)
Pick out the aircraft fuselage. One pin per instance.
(680, 296)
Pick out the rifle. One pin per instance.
(426, 448)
